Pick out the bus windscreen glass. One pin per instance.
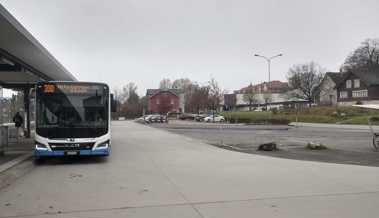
(72, 110)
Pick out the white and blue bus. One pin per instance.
(72, 119)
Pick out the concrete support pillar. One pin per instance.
(2, 135)
(1, 106)
(27, 111)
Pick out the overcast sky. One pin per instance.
(119, 41)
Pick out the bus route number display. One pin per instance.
(48, 88)
(68, 88)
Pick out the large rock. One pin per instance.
(315, 146)
(268, 147)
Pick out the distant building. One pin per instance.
(237, 102)
(276, 94)
(358, 87)
(328, 91)
(230, 102)
(165, 100)
(275, 86)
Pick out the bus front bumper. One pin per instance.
(47, 153)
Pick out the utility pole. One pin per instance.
(268, 59)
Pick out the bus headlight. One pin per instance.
(103, 145)
(40, 146)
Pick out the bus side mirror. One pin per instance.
(113, 104)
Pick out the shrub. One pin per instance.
(256, 118)
(313, 118)
(343, 115)
(274, 110)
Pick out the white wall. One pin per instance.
(327, 90)
(274, 98)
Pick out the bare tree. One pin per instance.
(188, 88)
(191, 91)
(198, 100)
(306, 79)
(144, 104)
(250, 97)
(128, 103)
(215, 94)
(117, 99)
(366, 56)
(165, 84)
(181, 83)
(122, 95)
(133, 106)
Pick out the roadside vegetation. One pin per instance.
(337, 115)
(253, 117)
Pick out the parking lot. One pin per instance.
(345, 145)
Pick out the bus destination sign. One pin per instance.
(69, 88)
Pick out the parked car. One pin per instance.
(121, 118)
(160, 119)
(200, 117)
(214, 118)
(147, 118)
(187, 116)
(155, 118)
(141, 120)
(173, 115)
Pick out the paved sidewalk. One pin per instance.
(16, 152)
(154, 173)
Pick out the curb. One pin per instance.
(15, 161)
(333, 125)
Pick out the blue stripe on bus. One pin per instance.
(45, 153)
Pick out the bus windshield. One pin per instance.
(72, 110)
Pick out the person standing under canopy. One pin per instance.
(18, 120)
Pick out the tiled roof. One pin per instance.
(151, 92)
(368, 76)
(335, 76)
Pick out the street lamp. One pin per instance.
(268, 59)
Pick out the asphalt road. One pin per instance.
(336, 137)
(154, 173)
(346, 144)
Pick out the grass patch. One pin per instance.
(361, 120)
(340, 115)
(256, 118)
(313, 118)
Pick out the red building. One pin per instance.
(164, 101)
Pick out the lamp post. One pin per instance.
(268, 59)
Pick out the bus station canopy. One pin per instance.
(23, 60)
